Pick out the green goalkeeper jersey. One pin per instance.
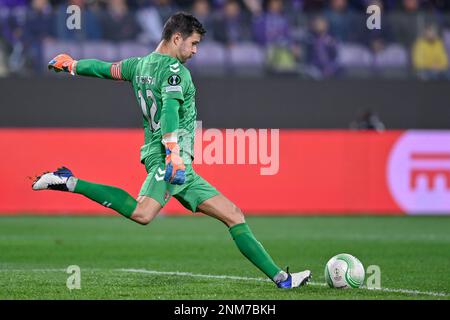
(156, 78)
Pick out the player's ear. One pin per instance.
(177, 38)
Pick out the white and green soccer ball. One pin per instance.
(344, 271)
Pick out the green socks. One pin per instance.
(253, 250)
(110, 197)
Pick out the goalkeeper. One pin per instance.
(164, 90)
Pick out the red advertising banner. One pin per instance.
(262, 171)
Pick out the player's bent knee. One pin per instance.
(143, 217)
(145, 211)
(236, 217)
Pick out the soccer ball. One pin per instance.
(344, 271)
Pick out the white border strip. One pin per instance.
(210, 276)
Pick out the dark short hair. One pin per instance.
(184, 23)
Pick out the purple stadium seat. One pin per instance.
(133, 49)
(446, 38)
(247, 55)
(106, 51)
(211, 59)
(53, 48)
(394, 55)
(209, 54)
(354, 55)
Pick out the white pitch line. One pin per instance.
(189, 274)
(32, 270)
(413, 292)
(211, 276)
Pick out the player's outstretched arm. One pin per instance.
(92, 67)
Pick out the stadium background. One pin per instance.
(363, 114)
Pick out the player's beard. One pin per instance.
(183, 61)
(185, 58)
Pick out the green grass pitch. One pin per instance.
(195, 258)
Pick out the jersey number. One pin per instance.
(153, 108)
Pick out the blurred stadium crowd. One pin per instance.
(315, 39)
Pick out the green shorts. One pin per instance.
(190, 194)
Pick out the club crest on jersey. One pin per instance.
(174, 80)
(166, 196)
